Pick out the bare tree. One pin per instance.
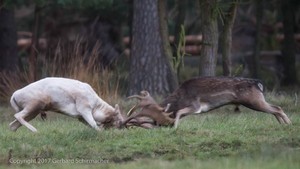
(34, 45)
(255, 68)
(150, 68)
(226, 37)
(209, 28)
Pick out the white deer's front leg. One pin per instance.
(86, 114)
(88, 117)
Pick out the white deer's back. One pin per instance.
(59, 92)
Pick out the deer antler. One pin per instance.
(143, 95)
(132, 110)
(150, 109)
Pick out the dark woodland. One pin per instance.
(153, 45)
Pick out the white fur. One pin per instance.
(67, 96)
(204, 107)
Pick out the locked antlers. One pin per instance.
(148, 108)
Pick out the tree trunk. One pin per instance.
(226, 38)
(8, 40)
(209, 27)
(163, 24)
(255, 68)
(167, 50)
(149, 65)
(288, 45)
(32, 60)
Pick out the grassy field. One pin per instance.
(219, 139)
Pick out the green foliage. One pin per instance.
(238, 70)
(222, 9)
(178, 60)
(217, 10)
(219, 139)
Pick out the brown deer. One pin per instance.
(203, 94)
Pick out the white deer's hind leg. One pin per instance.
(20, 118)
(14, 125)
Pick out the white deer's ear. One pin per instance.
(117, 109)
(116, 106)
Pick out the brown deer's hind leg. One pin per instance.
(281, 114)
(263, 106)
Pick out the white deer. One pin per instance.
(66, 96)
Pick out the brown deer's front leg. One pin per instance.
(181, 112)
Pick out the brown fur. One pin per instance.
(219, 91)
(203, 94)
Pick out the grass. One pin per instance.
(220, 139)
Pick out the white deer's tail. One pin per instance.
(14, 104)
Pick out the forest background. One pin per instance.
(153, 45)
(123, 46)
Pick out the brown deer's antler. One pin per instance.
(148, 108)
